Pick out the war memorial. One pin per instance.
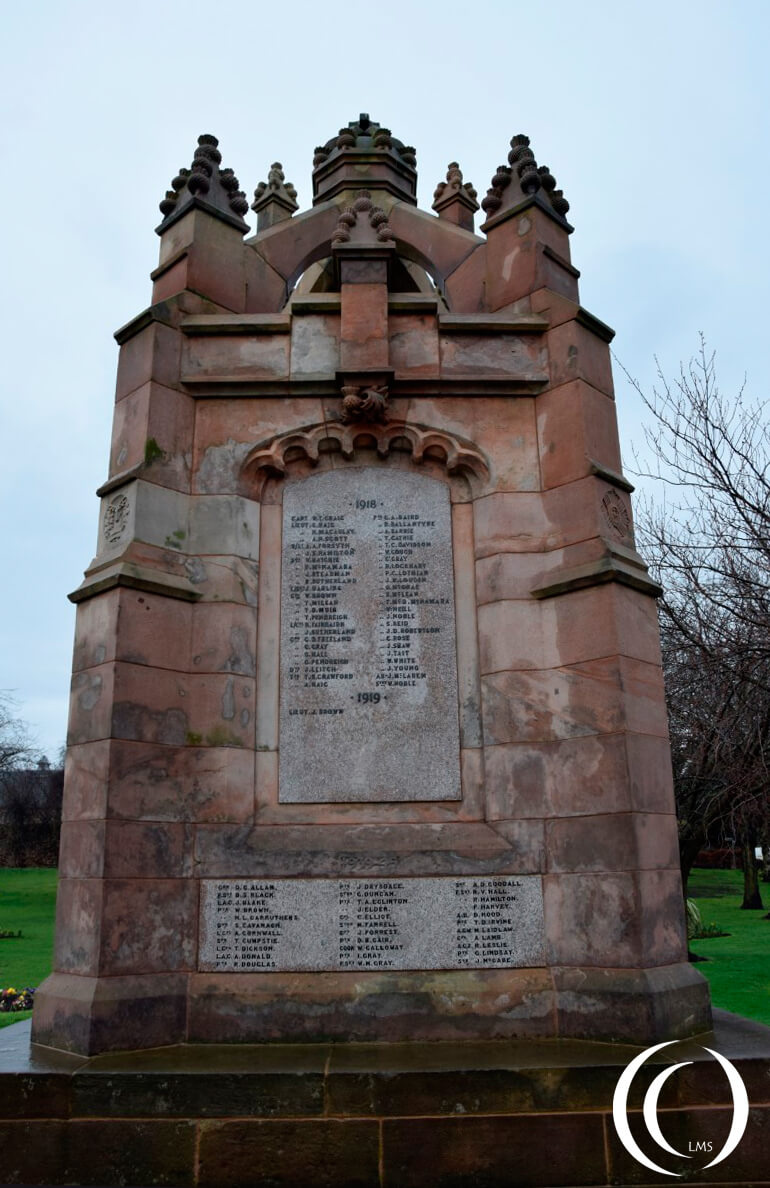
(369, 870)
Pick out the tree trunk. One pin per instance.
(689, 848)
(751, 896)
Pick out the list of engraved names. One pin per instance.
(358, 924)
(368, 702)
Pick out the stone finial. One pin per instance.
(523, 178)
(455, 199)
(364, 151)
(493, 199)
(207, 186)
(364, 134)
(348, 221)
(454, 184)
(275, 199)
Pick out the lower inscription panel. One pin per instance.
(249, 925)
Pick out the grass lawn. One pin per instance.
(737, 966)
(27, 902)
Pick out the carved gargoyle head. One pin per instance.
(362, 403)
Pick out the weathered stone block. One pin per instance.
(503, 429)
(576, 426)
(86, 770)
(221, 519)
(515, 635)
(227, 430)
(649, 769)
(281, 1152)
(364, 327)
(315, 346)
(493, 1151)
(179, 709)
(414, 345)
(157, 782)
(576, 353)
(541, 706)
(151, 354)
(224, 638)
(619, 841)
(160, 517)
(504, 576)
(604, 621)
(153, 426)
(224, 851)
(516, 357)
(510, 523)
(388, 1006)
(89, 1014)
(593, 919)
(632, 1005)
(82, 848)
(139, 627)
(516, 264)
(148, 926)
(98, 1153)
(465, 284)
(565, 778)
(91, 696)
(223, 356)
(79, 908)
(147, 849)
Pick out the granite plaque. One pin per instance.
(358, 924)
(368, 699)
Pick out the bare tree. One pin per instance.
(30, 795)
(708, 541)
(16, 746)
(30, 816)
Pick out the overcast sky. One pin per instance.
(652, 116)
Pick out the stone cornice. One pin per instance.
(160, 312)
(592, 323)
(611, 476)
(134, 577)
(617, 565)
(259, 323)
(483, 323)
(456, 385)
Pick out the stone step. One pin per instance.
(480, 1114)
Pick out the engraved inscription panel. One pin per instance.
(359, 924)
(368, 700)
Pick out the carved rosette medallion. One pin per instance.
(616, 514)
(115, 519)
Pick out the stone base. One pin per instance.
(447, 1115)
(93, 1015)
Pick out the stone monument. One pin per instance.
(367, 736)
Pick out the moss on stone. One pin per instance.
(152, 451)
(220, 736)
